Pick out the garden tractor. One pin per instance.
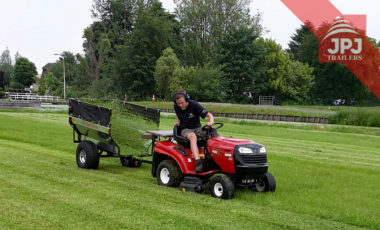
(229, 163)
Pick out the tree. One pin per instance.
(165, 67)
(17, 55)
(137, 58)
(179, 79)
(202, 83)
(24, 73)
(297, 38)
(81, 83)
(332, 80)
(240, 61)
(97, 48)
(204, 23)
(77, 78)
(205, 83)
(287, 79)
(122, 47)
(116, 13)
(49, 85)
(106, 86)
(6, 66)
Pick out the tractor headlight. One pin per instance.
(244, 150)
(263, 150)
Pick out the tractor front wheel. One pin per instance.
(222, 187)
(168, 173)
(87, 155)
(266, 184)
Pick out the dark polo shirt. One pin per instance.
(189, 118)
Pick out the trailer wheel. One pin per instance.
(168, 173)
(130, 162)
(266, 184)
(87, 155)
(222, 187)
(137, 163)
(126, 161)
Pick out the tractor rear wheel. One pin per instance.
(222, 187)
(168, 173)
(87, 155)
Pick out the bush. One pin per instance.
(2, 94)
(202, 83)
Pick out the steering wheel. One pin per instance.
(206, 127)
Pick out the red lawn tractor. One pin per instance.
(229, 163)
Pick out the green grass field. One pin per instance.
(327, 178)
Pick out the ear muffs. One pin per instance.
(187, 97)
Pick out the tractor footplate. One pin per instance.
(193, 184)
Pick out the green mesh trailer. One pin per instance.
(92, 130)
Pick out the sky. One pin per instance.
(38, 29)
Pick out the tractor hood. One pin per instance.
(227, 143)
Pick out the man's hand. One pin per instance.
(211, 119)
(210, 123)
(176, 123)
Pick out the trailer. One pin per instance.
(92, 131)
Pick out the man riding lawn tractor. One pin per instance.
(201, 160)
(188, 113)
(196, 159)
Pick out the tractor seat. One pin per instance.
(201, 140)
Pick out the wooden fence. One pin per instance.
(19, 104)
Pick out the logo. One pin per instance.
(341, 43)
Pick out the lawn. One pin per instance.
(327, 178)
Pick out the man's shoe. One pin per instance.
(198, 166)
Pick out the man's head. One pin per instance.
(181, 99)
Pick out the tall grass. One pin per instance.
(126, 128)
(357, 117)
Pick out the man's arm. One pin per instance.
(177, 122)
(210, 118)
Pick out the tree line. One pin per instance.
(20, 73)
(212, 48)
